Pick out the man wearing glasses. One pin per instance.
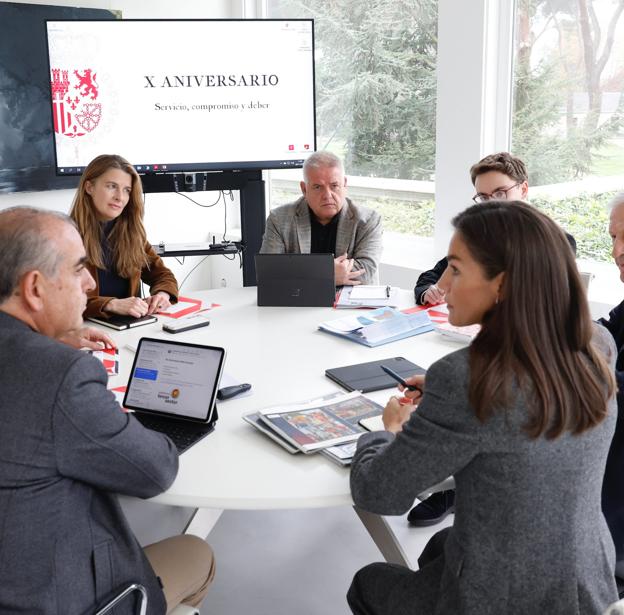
(496, 177)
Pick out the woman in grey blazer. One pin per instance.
(522, 419)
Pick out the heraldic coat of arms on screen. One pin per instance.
(74, 102)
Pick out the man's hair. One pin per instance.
(503, 162)
(540, 340)
(26, 244)
(616, 201)
(322, 159)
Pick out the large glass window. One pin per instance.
(375, 101)
(569, 113)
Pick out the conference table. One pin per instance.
(283, 355)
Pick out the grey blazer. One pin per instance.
(358, 235)
(65, 450)
(529, 535)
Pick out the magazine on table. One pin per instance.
(379, 326)
(316, 424)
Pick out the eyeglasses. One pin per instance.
(500, 194)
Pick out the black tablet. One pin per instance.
(369, 376)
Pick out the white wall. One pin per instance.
(473, 99)
(168, 217)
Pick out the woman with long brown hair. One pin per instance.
(108, 209)
(522, 418)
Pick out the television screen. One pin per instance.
(183, 95)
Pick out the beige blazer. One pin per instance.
(358, 235)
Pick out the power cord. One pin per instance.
(221, 194)
(191, 271)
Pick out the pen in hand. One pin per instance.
(399, 379)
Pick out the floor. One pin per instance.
(280, 562)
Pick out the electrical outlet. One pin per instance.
(223, 283)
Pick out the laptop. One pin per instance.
(296, 280)
(173, 388)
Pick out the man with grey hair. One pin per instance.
(613, 484)
(67, 447)
(324, 220)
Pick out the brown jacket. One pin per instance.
(154, 274)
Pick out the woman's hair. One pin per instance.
(127, 239)
(539, 334)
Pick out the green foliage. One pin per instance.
(411, 218)
(586, 218)
(550, 158)
(556, 144)
(376, 82)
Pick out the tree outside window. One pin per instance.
(568, 112)
(375, 99)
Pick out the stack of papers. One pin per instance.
(366, 296)
(459, 334)
(379, 326)
(317, 424)
(439, 316)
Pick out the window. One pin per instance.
(568, 115)
(375, 101)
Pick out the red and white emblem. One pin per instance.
(74, 96)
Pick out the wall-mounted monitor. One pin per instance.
(183, 95)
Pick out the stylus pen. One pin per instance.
(393, 374)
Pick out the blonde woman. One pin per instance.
(108, 209)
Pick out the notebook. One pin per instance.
(121, 322)
(367, 377)
(173, 388)
(305, 280)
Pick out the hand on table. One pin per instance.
(158, 302)
(433, 295)
(88, 337)
(344, 272)
(131, 306)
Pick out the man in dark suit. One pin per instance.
(67, 448)
(613, 485)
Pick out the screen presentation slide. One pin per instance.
(174, 379)
(180, 92)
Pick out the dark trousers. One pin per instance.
(613, 484)
(389, 589)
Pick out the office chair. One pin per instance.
(122, 595)
(181, 609)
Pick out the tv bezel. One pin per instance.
(147, 170)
